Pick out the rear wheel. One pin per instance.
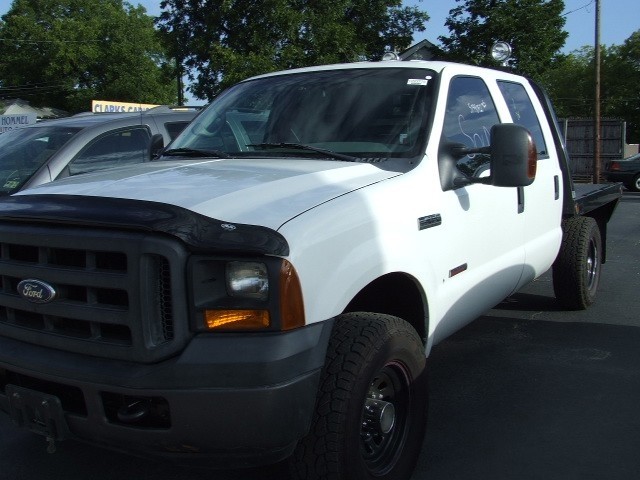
(576, 271)
(372, 403)
(635, 184)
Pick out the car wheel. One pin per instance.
(635, 184)
(371, 406)
(576, 271)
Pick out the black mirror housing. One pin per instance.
(157, 144)
(513, 159)
(513, 156)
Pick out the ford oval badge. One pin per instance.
(36, 291)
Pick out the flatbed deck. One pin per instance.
(589, 197)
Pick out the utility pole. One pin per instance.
(179, 81)
(596, 110)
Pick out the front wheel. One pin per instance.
(372, 403)
(576, 271)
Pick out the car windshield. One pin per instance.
(23, 151)
(346, 114)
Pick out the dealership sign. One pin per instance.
(9, 122)
(104, 106)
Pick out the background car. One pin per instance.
(626, 171)
(83, 143)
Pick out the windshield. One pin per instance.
(355, 114)
(23, 151)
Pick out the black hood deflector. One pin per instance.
(199, 232)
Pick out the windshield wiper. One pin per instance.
(302, 146)
(193, 152)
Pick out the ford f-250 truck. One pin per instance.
(271, 287)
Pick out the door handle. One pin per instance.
(520, 199)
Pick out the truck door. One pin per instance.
(542, 200)
(483, 261)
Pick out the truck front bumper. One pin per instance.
(239, 400)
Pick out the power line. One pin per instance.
(31, 85)
(578, 9)
(36, 42)
(39, 87)
(22, 92)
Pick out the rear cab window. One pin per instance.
(523, 113)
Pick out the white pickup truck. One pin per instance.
(271, 287)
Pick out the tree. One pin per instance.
(65, 53)
(623, 78)
(223, 41)
(533, 28)
(570, 83)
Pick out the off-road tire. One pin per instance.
(576, 271)
(352, 436)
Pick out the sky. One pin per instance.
(618, 20)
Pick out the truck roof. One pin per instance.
(436, 66)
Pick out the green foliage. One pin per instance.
(65, 53)
(223, 41)
(571, 84)
(623, 76)
(533, 28)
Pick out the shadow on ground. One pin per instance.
(518, 399)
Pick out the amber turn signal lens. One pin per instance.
(532, 165)
(291, 303)
(236, 319)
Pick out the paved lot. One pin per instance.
(527, 391)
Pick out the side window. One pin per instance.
(522, 112)
(113, 150)
(468, 120)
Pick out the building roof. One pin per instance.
(17, 106)
(424, 50)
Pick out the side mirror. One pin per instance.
(513, 159)
(513, 156)
(157, 144)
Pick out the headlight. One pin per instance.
(247, 280)
(245, 294)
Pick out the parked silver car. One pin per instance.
(83, 143)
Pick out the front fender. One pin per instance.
(342, 246)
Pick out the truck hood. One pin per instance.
(265, 192)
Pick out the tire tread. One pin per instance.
(354, 338)
(569, 269)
